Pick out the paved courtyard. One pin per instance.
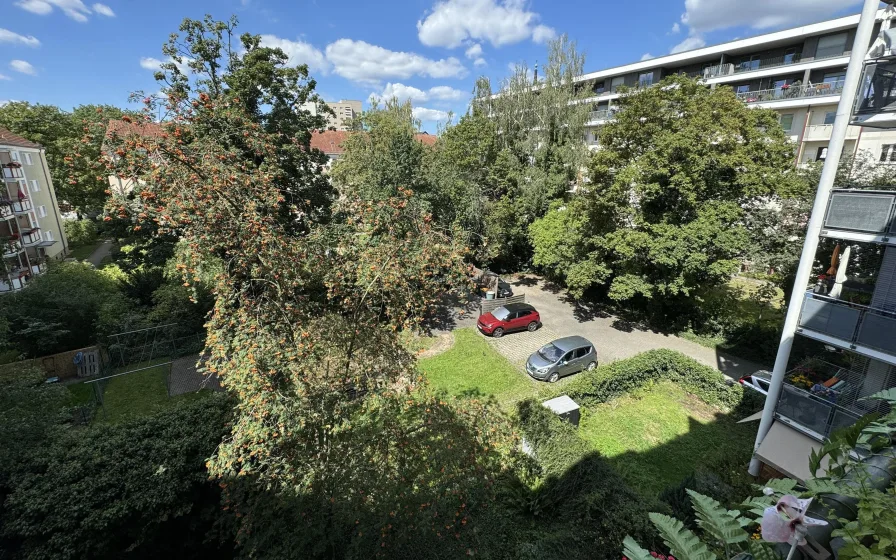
(614, 338)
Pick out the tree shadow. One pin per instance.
(525, 281)
(584, 310)
(449, 311)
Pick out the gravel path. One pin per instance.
(101, 252)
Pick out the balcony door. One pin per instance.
(831, 45)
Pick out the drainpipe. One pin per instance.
(813, 231)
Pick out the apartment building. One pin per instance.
(31, 229)
(345, 110)
(796, 72)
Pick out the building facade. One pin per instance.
(345, 110)
(796, 72)
(31, 229)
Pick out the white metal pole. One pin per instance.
(813, 231)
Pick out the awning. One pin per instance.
(787, 450)
(751, 418)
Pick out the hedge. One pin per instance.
(613, 380)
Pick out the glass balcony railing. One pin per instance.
(22, 206)
(854, 324)
(863, 211)
(791, 92)
(877, 89)
(600, 115)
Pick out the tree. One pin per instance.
(332, 427)
(662, 216)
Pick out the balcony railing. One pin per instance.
(782, 94)
(856, 325)
(877, 90)
(31, 237)
(38, 266)
(601, 115)
(872, 212)
(823, 397)
(729, 68)
(822, 132)
(6, 210)
(13, 247)
(13, 173)
(23, 206)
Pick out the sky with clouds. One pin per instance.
(71, 52)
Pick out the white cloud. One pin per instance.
(103, 10)
(647, 56)
(691, 43)
(676, 29)
(445, 93)
(707, 15)
(415, 95)
(363, 62)
(543, 34)
(74, 9)
(500, 22)
(4, 77)
(429, 115)
(479, 62)
(7, 36)
(299, 52)
(474, 51)
(151, 63)
(23, 67)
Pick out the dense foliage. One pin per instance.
(80, 232)
(138, 488)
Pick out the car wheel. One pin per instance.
(591, 366)
(533, 326)
(498, 333)
(554, 377)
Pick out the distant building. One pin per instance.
(345, 110)
(124, 185)
(330, 141)
(30, 221)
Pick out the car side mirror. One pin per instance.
(564, 362)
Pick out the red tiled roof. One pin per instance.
(330, 141)
(123, 128)
(9, 139)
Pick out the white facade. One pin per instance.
(345, 110)
(796, 72)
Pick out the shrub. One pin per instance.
(80, 232)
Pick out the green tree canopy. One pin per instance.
(662, 216)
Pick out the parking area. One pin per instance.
(613, 338)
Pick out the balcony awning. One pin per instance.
(787, 450)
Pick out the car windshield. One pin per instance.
(550, 352)
(501, 313)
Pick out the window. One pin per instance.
(888, 153)
(743, 89)
(616, 82)
(49, 235)
(751, 63)
(645, 80)
(787, 122)
(829, 117)
(791, 56)
(582, 352)
(42, 211)
(14, 156)
(822, 154)
(598, 87)
(28, 159)
(34, 185)
(569, 356)
(835, 79)
(831, 45)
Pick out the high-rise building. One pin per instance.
(345, 110)
(30, 222)
(797, 72)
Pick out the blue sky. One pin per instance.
(71, 52)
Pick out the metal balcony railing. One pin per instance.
(854, 324)
(877, 89)
(784, 93)
(864, 211)
(31, 237)
(12, 248)
(600, 115)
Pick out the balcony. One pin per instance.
(12, 283)
(876, 99)
(6, 210)
(866, 330)
(791, 93)
(731, 69)
(819, 398)
(38, 266)
(822, 132)
(31, 237)
(22, 206)
(601, 115)
(13, 172)
(861, 215)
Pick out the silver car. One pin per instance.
(562, 357)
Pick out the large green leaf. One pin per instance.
(682, 542)
(782, 485)
(763, 551)
(633, 551)
(716, 520)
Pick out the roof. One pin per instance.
(518, 307)
(561, 404)
(124, 128)
(330, 141)
(787, 451)
(7, 138)
(571, 342)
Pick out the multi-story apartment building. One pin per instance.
(797, 72)
(30, 222)
(345, 110)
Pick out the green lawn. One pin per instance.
(84, 251)
(472, 367)
(656, 436)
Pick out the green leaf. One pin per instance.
(633, 551)
(716, 520)
(682, 542)
(782, 485)
(888, 395)
(763, 551)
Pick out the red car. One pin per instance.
(511, 317)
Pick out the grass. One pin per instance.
(657, 435)
(83, 251)
(473, 367)
(415, 343)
